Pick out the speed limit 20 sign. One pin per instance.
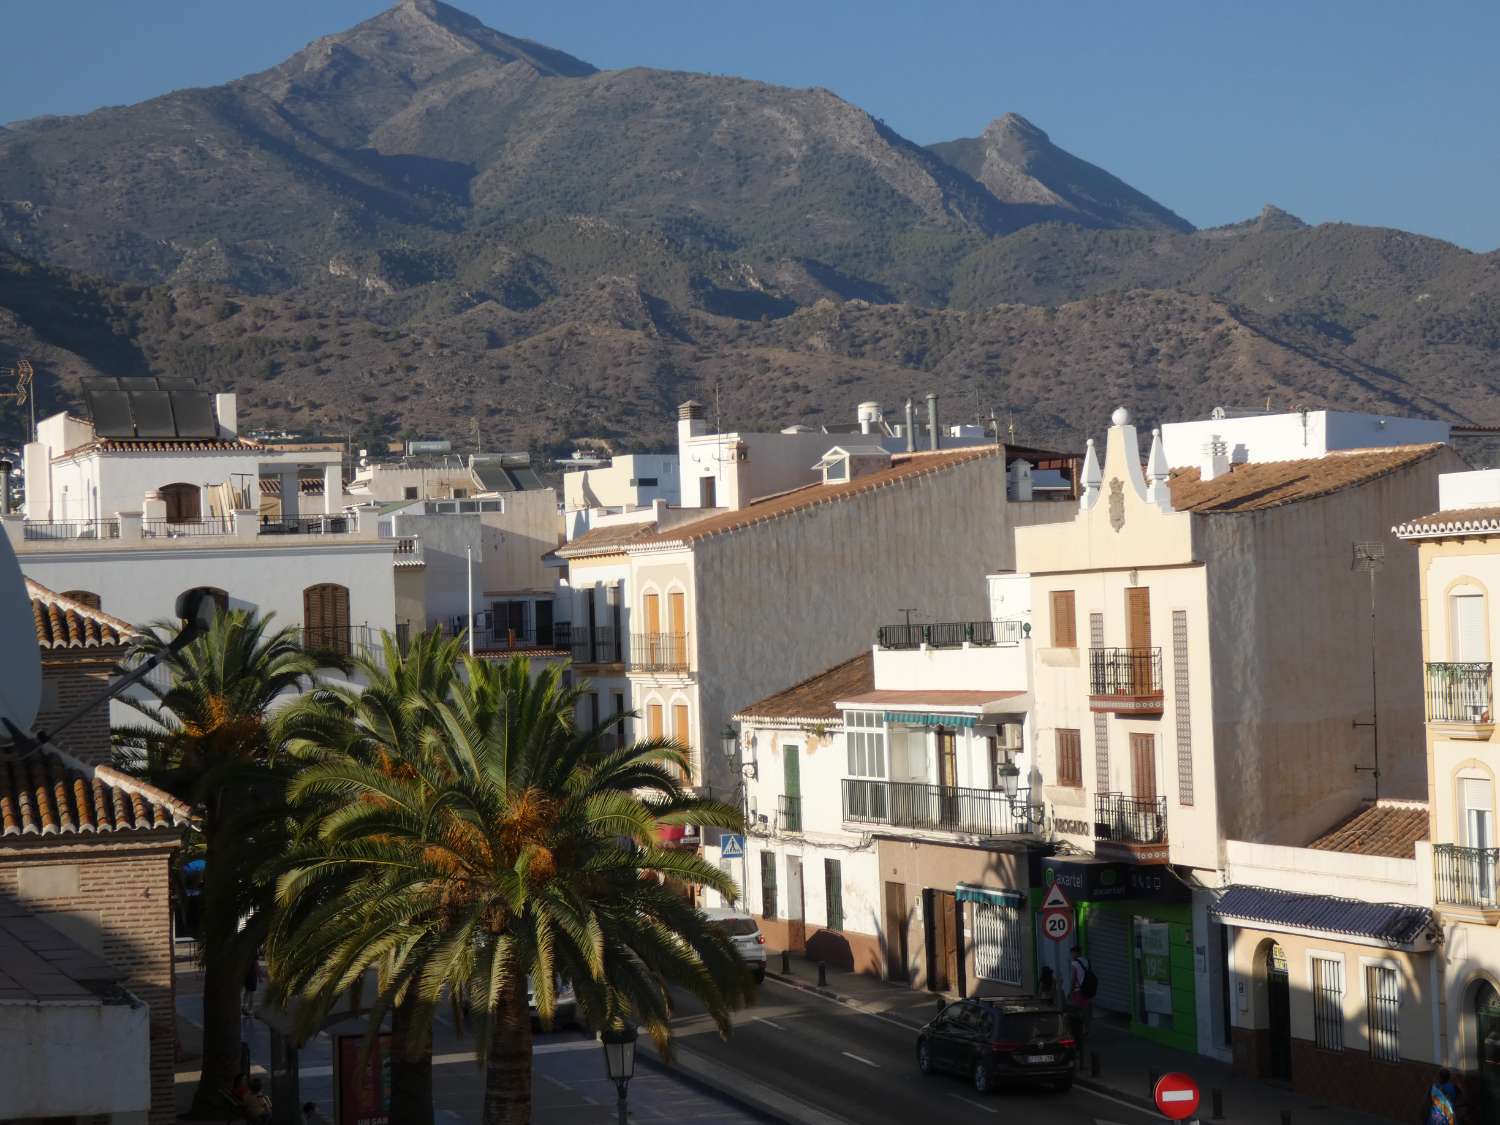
(1057, 915)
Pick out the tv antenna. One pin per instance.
(1370, 558)
(24, 375)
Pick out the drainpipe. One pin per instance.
(911, 433)
(932, 421)
(4, 488)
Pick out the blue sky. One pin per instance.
(1371, 112)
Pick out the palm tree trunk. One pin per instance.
(411, 1066)
(223, 980)
(507, 1071)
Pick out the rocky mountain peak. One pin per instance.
(1274, 218)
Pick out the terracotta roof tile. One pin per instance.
(814, 698)
(163, 445)
(1268, 484)
(895, 697)
(610, 536)
(1390, 828)
(1457, 521)
(49, 793)
(66, 623)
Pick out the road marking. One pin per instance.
(861, 1009)
(856, 1058)
(559, 1083)
(769, 1023)
(976, 1105)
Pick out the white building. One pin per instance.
(1249, 436)
(628, 482)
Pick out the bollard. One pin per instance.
(1155, 1076)
(1093, 1064)
(1217, 1097)
(1286, 1117)
(822, 974)
(786, 963)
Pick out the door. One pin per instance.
(942, 940)
(677, 625)
(325, 617)
(544, 634)
(791, 789)
(1477, 796)
(653, 721)
(1143, 766)
(796, 922)
(1487, 1045)
(1109, 956)
(1279, 1015)
(651, 611)
(895, 933)
(184, 502)
(681, 732)
(706, 498)
(1138, 639)
(947, 1029)
(947, 777)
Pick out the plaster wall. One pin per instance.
(1290, 437)
(49, 1048)
(1369, 878)
(528, 528)
(610, 486)
(998, 668)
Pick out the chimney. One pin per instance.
(869, 417)
(226, 409)
(1215, 459)
(4, 488)
(911, 429)
(690, 421)
(932, 425)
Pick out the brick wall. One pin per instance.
(114, 898)
(69, 680)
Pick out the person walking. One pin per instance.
(1082, 984)
(1443, 1100)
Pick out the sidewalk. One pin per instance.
(1126, 1063)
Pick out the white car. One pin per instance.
(564, 1003)
(745, 934)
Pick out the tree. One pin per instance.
(510, 848)
(384, 726)
(208, 740)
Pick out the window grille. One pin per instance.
(1383, 1010)
(1328, 1003)
(997, 942)
(833, 883)
(768, 884)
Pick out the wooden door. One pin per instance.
(653, 721)
(1143, 765)
(1138, 617)
(947, 776)
(651, 611)
(895, 932)
(680, 730)
(942, 949)
(325, 617)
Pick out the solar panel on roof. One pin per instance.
(110, 410)
(153, 414)
(194, 412)
(171, 383)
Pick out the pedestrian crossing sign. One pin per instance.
(731, 846)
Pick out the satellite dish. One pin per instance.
(20, 658)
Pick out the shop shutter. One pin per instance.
(1109, 956)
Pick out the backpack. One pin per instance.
(1090, 983)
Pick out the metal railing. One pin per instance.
(1465, 876)
(71, 529)
(937, 808)
(658, 652)
(160, 527)
(340, 640)
(1459, 693)
(307, 525)
(1125, 671)
(600, 645)
(951, 634)
(1130, 820)
(790, 810)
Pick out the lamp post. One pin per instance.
(619, 1059)
(729, 742)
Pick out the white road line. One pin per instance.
(864, 1011)
(769, 1023)
(558, 1082)
(976, 1105)
(856, 1058)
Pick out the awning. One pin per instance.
(989, 894)
(928, 719)
(1389, 924)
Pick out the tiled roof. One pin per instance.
(1268, 484)
(814, 698)
(904, 466)
(1461, 521)
(1390, 828)
(1392, 924)
(607, 538)
(161, 445)
(47, 793)
(895, 697)
(63, 623)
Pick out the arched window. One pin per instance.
(86, 597)
(183, 502)
(325, 618)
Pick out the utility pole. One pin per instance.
(1370, 557)
(469, 560)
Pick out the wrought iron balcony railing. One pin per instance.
(790, 809)
(951, 634)
(1125, 671)
(1465, 876)
(600, 645)
(658, 652)
(938, 808)
(1130, 820)
(1459, 693)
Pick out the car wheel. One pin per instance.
(924, 1057)
(984, 1080)
(1064, 1084)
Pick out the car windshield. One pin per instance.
(737, 927)
(1029, 1027)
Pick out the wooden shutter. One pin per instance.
(1143, 764)
(1138, 616)
(1064, 620)
(653, 721)
(791, 772)
(1069, 758)
(651, 610)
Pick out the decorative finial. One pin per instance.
(1121, 417)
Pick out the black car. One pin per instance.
(1000, 1039)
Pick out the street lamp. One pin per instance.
(619, 1058)
(1010, 778)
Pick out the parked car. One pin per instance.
(1000, 1039)
(564, 1004)
(745, 934)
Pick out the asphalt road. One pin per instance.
(838, 1064)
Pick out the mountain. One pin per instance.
(1019, 165)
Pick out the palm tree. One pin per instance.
(511, 848)
(208, 740)
(382, 726)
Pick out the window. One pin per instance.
(768, 884)
(1383, 1011)
(837, 469)
(997, 941)
(1468, 644)
(325, 618)
(409, 492)
(1328, 1003)
(183, 501)
(1064, 620)
(84, 597)
(1069, 758)
(460, 494)
(865, 733)
(644, 482)
(833, 891)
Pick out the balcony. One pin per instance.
(1458, 700)
(308, 525)
(348, 641)
(659, 652)
(790, 813)
(600, 645)
(44, 530)
(1130, 828)
(1466, 876)
(951, 634)
(166, 528)
(1125, 681)
(938, 808)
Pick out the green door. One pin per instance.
(791, 789)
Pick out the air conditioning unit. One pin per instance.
(1010, 736)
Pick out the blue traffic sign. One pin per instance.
(731, 846)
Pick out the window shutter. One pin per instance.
(1064, 620)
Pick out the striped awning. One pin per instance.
(928, 719)
(965, 893)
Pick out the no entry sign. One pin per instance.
(1176, 1096)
